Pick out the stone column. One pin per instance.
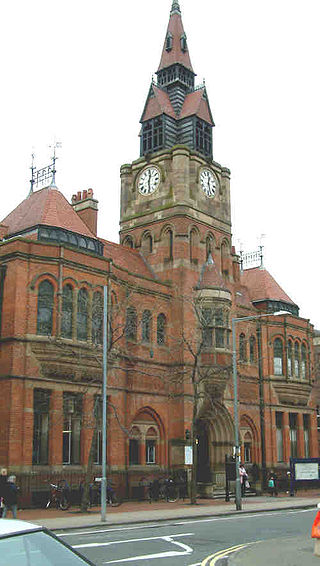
(286, 438)
(313, 436)
(56, 428)
(300, 436)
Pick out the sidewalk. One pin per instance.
(140, 512)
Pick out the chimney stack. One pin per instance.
(87, 208)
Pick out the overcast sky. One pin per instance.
(79, 72)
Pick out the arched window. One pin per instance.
(131, 324)
(289, 358)
(303, 361)
(161, 329)
(82, 315)
(97, 318)
(45, 308)
(128, 242)
(67, 312)
(278, 357)
(252, 345)
(224, 259)
(146, 244)
(170, 243)
(146, 326)
(242, 348)
(209, 246)
(297, 360)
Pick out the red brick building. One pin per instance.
(174, 284)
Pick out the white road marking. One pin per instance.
(95, 544)
(169, 554)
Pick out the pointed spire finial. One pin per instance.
(175, 7)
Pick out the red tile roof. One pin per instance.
(127, 258)
(196, 103)
(210, 277)
(262, 286)
(47, 207)
(157, 105)
(175, 55)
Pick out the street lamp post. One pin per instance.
(235, 396)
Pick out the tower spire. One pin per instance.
(175, 9)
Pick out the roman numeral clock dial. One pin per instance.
(208, 182)
(148, 180)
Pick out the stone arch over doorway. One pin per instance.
(215, 440)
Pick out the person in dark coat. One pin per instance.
(3, 486)
(10, 497)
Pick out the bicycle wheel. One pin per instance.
(64, 504)
(173, 494)
(115, 502)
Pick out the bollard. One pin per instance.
(315, 532)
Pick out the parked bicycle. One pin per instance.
(163, 489)
(59, 496)
(112, 498)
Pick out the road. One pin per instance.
(191, 542)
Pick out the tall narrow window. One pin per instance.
(82, 315)
(279, 425)
(67, 312)
(252, 344)
(98, 425)
(306, 431)
(219, 328)
(303, 361)
(146, 326)
(161, 329)
(131, 324)
(97, 318)
(209, 246)
(289, 358)
(41, 399)
(134, 446)
(72, 409)
(170, 243)
(45, 308)
(293, 435)
(242, 348)
(151, 441)
(278, 357)
(297, 360)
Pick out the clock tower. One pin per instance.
(175, 199)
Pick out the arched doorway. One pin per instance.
(215, 438)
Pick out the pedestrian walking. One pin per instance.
(10, 497)
(272, 483)
(243, 479)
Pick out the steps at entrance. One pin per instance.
(221, 494)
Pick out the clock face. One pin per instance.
(208, 182)
(149, 180)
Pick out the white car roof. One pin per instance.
(14, 526)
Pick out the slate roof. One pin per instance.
(262, 286)
(46, 207)
(175, 55)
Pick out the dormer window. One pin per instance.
(183, 43)
(169, 42)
